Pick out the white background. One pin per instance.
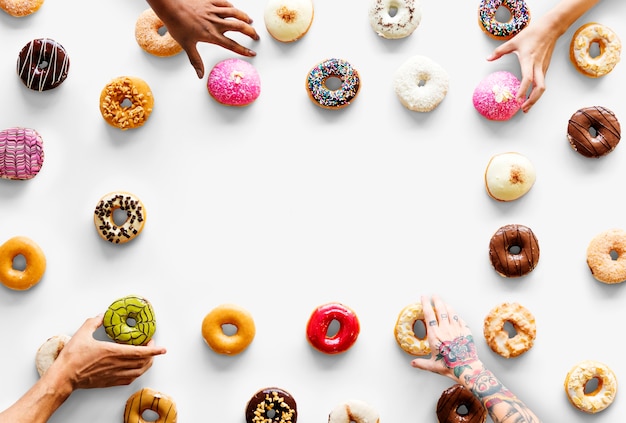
(282, 206)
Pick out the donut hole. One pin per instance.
(614, 255)
(120, 216)
(392, 10)
(131, 321)
(162, 30)
(229, 329)
(509, 328)
(595, 49)
(515, 249)
(333, 328)
(150, 415)
(333, 83)
(503, 14)
(419, 329)
(592, 386)
(126, 103)
(270, 414)
(593, 132)
(43, 64)
(19, 262)
(462, 410)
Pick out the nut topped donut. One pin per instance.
(271, 405)
(43, 64)
(395, 19)
(105, 220)
(126, 102)
(455, 398)
(404, 331)
(593, 131)
(609, 44)
(506, 344)
(514, 251)
(288, 20)
(323, 95)
(21, 153)
(581, 375)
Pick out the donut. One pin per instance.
(404, 331)
(576, 382)
(353, 411)
(20, 279)
(20, 8)
(126, 102)
(420, 84)
(593, 131)
(495, 96)
(43, 64)
(458, 404)
(271, 405)
(522, 321)
(153, 37)
(317, 329)
(215, 336)
(288, 20)
(514, 251)
(21, 153)
(49, 351)
(395, 19)
(325, 97)
(509, 176)
(130, 320)
(105, 219)
(149, 399)
(519, 18)
(606, 256)
(234, 82)
(610, 49)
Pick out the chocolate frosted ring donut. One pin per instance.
(458, 397)
(104, 217)
(43, 64)
(271, 405)
(593, 131)
(149, 399)
(130, 320)
(514, 251)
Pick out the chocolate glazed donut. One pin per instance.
(43, 64)
(458, 405)
(593, 131)
(514, 250)
(271, 405)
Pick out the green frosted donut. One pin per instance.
(130, 320)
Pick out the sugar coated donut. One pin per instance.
(130, 320)
(522, 321)
(457, 398)
(404, 331)
(234, 82)
(288, 20)
(593, 131)
(514, 251)
(43, 64)
(271, 405)
(109, 228)
(394, 19)
(353, 411)
(609, 45)
(149, 399)
(153, 37)
(605, 390)
(421, 84)
(494, 96)
(606, 256)
(317, 329)
(21, 153)
(126, 102)
(509, 176)
(20, 8)
(319, 76)
(214, 334)
(519, 18)
(49, 351)
(17, 278)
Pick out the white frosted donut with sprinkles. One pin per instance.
(105, 221)
(325, 97)
(421, 84)
(519, 18)
(394, 19)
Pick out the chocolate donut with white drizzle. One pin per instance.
(43, 64)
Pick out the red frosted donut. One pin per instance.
(320, 321)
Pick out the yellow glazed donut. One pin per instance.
(126, 102)
(608, 42)
(149, 399)
(104, 217)
(20, 8)
(49, 351)
(405, 334)
(152, 36)
(499, 339)
(600, 256)
(18, 279)
(221, 342)
(604, 393)
(288, 20)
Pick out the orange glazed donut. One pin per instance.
(576, 383)
(604, 267)
(149, 399)
(320, 321)
(21, 280)
(228, 314)
(498, 338)
(114, 98)
(149, 37)
(404, 333)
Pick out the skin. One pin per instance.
(457, 359)
(83, 363)
(534, 46)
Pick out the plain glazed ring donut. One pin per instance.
(456, 398)
(126, 102)
(21, 279)
(580, 47)
(21, 153)
(605, 389)
(149, 399)
(421, 84)
(593, 131)
(130, 320)
(498, 338)
(404, 330)
(20, 8)
(395, 19)
(152, 38)
(325, 97)
(271, 405)
(105, 219)
(353, 411)
(606, 256)
(43, 64)
(49, 351)
(509, 176)
(213, 326)
(514, 251)
(520, 17)
(288, 20)
(317, 329)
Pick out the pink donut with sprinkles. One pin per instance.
(519, 18)
(21, 153)
(234, 82)
(495, 96)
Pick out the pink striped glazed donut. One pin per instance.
(234, 82)
(21, 153)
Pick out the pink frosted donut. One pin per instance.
(234, 82)
(21, 153)
(494, 96)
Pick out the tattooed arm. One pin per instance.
(457, 359)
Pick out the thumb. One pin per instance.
(423, 364)
(196, 60)
(92, 323)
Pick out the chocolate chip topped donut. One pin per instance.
(593, 131)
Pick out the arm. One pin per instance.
(457, 359)
(83, 363)
(191, 21)
(534, 46)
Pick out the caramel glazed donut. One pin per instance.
(604, 125)
(514, 251)
(228, 314)
(576, 383)
(499, 339)
(21, 279)
(149, 399)
(271, 405)
(456, 398)
(104, 217)
(43, 64)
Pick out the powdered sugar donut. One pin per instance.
(395, 19)
(495, 96)
(49, 351)
(421, 84)
(21, 153)
(234, 82)
(288, 20)
(149, 37)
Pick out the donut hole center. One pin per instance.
(593, 132)
(503, 14)
(515, 249)
(229, 329)
(270, 414)
(509, 328)
(595, 49)
(333, 328)
(162, 30)
(419, 329)
(43, 64)
(462, 410)
(150, 415)
(126, 103)
(131, 321)
(614, 255)
(592, 386)
(19, 262)
(392, 11)
(333, 83)
(119, 216)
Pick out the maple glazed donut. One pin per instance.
(319, 322)
(20, 8)
(43, 64)
(514, 251)
(606, 256)
(499, 339)
(21, 279)
(49, 351)
(130, 320)
(404, 330)
(21, 153)
(605, 390)
(271, 405)
(610, 48)
(421, 84)
(149, 399)
(149, 36)
(234, 82)
(288, 20)
(395, 19)
(105, 219)
(509, 176)
(126, 102)
(353, 411)
(325, 97)
(593, 131)
(520, 17)
(458, 397)
(221, 342)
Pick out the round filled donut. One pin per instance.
(15, 277)
(288, 20)
(395, 19)
(328, 97)
(495, 96)
(48, 352)
(130, 320)
(216, 322)
(514, 251)
(421, 84)
(234, 82)
(521, 320)
(610, 49)
(271, 405)
(21, 153)
(353, 411)
(317, 329)
(606, 256)
(404, 330)
(519, 17)
(153, 37)
(593, 131)
(457, 398)
(509, 176)
(20, 8)
(605, 386)
(126, 102)
(149, 399)
(105, 219)
(43, 64)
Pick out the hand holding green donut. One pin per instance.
(130, 320)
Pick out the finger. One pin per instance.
(536, 93)
(231, 45)
(195, 59)
(424, 364)
(92, 324)
(441, 311)
(429, 313)
(500, 51)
